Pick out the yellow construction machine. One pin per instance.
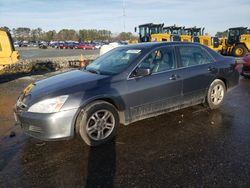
(177, 33)
(195, 34)
(8, 54)
(169, 33)
(147, 30)
(192, 34)
(237, 43)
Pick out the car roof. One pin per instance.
(145, 45)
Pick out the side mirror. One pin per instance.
(143, 72)
(135, 29)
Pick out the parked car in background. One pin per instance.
(53, 44)
(97, 45)
(84, 46)
(71, 45)
(17, 44)
(35, 43)
(43, 45)
(24, 43)
(61, 45)
(127, 84)
(246, 67)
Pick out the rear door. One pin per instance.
(198, 71)
(156, 92)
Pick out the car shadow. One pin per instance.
(101, 166)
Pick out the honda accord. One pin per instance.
(127, 84)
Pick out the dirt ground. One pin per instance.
(190, 147)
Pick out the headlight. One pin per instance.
(49, 105)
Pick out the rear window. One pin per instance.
(193, 55)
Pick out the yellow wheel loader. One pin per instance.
(195, 34)
(192, 34)
(8, 54)
(170, 33)
(237, 43)
(147, 30)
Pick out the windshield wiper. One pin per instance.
(94, 71)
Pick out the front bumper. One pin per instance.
(54, 126)
(245, 71)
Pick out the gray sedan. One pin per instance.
(127, 84)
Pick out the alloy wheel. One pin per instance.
(100, 125)
(217, 94)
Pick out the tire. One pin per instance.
(92, 128)
(216, 94)
(239, 50)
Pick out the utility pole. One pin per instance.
(123, 15)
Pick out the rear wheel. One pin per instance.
(98, 122)
(216, 94)
(239, 50)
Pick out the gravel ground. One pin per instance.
(35, 52)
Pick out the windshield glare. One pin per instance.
(114, 62)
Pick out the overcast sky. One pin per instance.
(214, 15)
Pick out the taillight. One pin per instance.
(238, 66)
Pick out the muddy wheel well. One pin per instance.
(224, 80)
(108, 100)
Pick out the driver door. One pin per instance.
(159, 91)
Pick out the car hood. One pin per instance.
(68, 83)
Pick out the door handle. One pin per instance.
(174, 77)
(211, 69)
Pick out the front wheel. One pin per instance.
(216, 94)
(98, 122)
(239, 51)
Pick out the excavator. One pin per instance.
(237, 42)
(8, 54)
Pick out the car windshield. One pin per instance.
(113, 62)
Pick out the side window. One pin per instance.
(160, 60)
(193, 55)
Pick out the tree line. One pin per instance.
(37, 34)
(221, 34)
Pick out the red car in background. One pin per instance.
(61, 45)
(246, 66)
(84, 47)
